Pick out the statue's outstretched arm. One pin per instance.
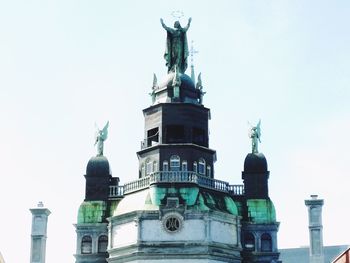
(164, 26)
(188, 24)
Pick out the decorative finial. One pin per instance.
(154, 88)
(176, 83)
(255, 134)
(100, 137)
(40, 204)
(176, 51)
(199, 86)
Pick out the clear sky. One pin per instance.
(66, 64)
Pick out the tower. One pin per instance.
(102, 193)
(177, 210)
(40, 216)
(314, 206)
(259, 225)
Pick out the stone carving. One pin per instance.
(255, 134)
(176, 51)
(100, 137)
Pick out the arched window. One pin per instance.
(143, 170)
(208, 171)
(175, 163)
(102, 244)
(184, 166)
(165, 166)
(249, 241)
(86, 245)
(266, 243)
(195, 168)
(149, 167)
(201, 166)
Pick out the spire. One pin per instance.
(192, 52)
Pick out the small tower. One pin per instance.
(102, 193)
(314, 206)
(259, 225)
(39, 233)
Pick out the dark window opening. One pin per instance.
(175, 134)
(266, 243)
(102, 244)
(86, 245)
(198, 136)
(249, 242)
(152, 137)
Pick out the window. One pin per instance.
(201, 166)
(198, 136)
(175, 134)
(102, 244)
(143, 170)
(149, 167)
(165, 166)
(86, 245)
(184, 166)
(249, 241)
(175, 163)
(155, 166)
(195, 168)
(152, 137)
(208, 171)
(266, 243)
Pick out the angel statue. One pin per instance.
(255, 134)
(100, 137)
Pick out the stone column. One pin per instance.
(314, 206)
(39, 233)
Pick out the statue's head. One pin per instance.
(177, 24)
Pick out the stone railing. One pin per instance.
(116, 191)
(237, 189)
(163, 177)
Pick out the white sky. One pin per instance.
(65, 64)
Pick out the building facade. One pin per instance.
(177, 210)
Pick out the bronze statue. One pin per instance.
(176, 51)
(255, 134)
(100, 137)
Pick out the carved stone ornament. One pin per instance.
(172, 222)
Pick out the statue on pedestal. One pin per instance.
(176, 51)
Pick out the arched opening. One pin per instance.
(86, 245)
(175, 163)
(102, 244)
(266, 243)
(201, 166)
(249, 241)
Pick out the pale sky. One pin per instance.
(66, 64)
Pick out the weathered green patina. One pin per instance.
(188, 194)
(261, 211)
(92, 212)
(218, 202)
